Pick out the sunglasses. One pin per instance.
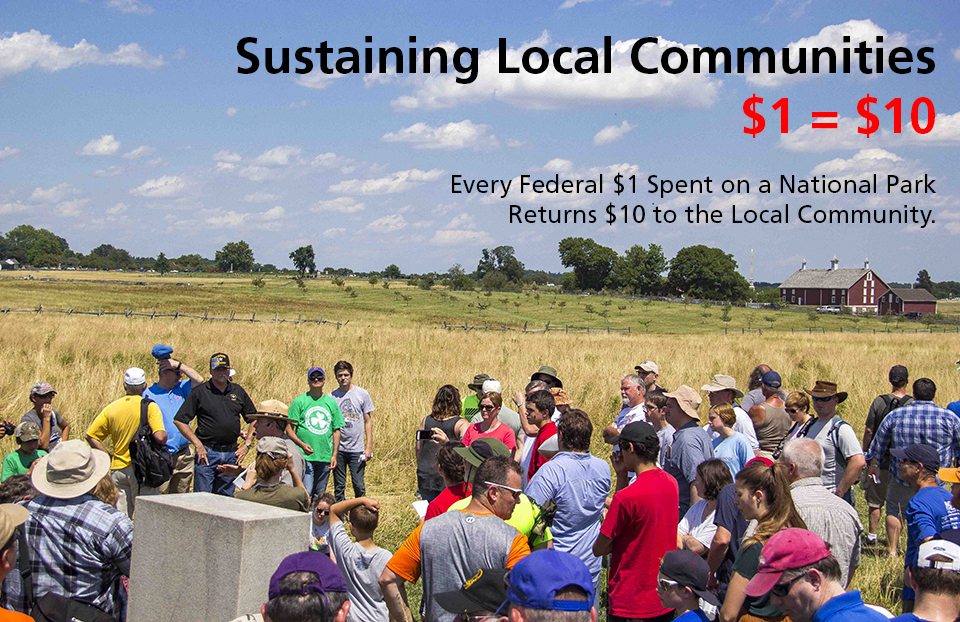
(466, 617)
(793, 411)
(665, 584)
(823, 399)
(487, 407)
(315, 377)
(780, 590)
(320, 512)
(516, 491)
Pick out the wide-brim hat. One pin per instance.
(722, 382)
(546, 370)
(478, 381)
(70, 470)
(272, 409)
(688, 399)
(824, 388)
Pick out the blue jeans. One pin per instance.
(315, 478)
(357, 466)
(206, 478)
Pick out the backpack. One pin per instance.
(890, 403)
(152, 463)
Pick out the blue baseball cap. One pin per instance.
(161, 352)
(771, 379)
(535, 580)
(313, 370)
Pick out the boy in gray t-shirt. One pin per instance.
(356, 435)
(361, 562)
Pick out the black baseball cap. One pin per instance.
(219, 360)
(637, 432)
(925, 455)
(689, 570)
(898, 372)
(484, 591)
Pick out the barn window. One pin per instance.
(833, 298)
(793, 298)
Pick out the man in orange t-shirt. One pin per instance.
(449, 549)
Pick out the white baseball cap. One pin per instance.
(649, 366)
(491, 386)
(134, 377)
(946, 555)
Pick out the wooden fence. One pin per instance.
(276, 319)
(546, 329)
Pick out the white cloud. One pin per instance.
(865, 160)
(828, 37)
(52, 195)
(623, 86)
(298, 104)
(119, 208)
(8, 152)
(343, 205)
(226, 156)
(71, 208)
(952, 227)
(556, 165)
(334, 233)
(231, 112)
(166, 186)
(462, 135)
(22, 50)
(111, 171)
(278, 156)
(613, 133)
(514, 143)
(462, 229)
(318, 80)
(387, 224)
(105, 145)
(253, 172)
(391, 184)
(130, 6)
(261, 197)
(274, 213)
(140, 152)
(223, 167)
(227, 219)
(956, 54)
(13, 208)
(945, 133)
(569, 4)
(332, 160)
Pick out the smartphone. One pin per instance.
(424, 435)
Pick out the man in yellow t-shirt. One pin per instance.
(120, 421)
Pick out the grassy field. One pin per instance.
(401, 357)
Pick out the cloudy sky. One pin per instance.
(127, 122)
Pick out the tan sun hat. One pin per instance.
(722, 382)
(11, 517)
(688, 398)
(70, 470)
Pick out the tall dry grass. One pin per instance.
(402, 367)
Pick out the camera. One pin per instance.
(9, 428)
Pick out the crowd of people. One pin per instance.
(742, 510)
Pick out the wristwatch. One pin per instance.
(247, 444)
(179, 365)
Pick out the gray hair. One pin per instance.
(535, 385)
(806, 454)
(635, 380)
(134, 389)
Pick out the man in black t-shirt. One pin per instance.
(218, 406)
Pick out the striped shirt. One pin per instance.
(920, 422)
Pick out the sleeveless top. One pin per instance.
(427, 476)
(774, 428)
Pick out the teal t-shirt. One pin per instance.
(16, 463)
(315, 421)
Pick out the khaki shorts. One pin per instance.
(876, 494)
(898, 496)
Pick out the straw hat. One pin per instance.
(70, 470)
(722, 382)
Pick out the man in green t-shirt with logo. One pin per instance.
(315, 422)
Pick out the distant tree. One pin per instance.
(258, 282)
(924, 281)
(725, 314)
(301, 285)
(37, 247)
(591, 262)
(425, 282)
(494, 280)
(190, 263)
(704, 272)
(639, 270)
(236, 256)
(373, 280)
(304, 260)
(162, 264)
(385, 285)
(501, 259)
(392, 272)
(457, 279)
(338, 281)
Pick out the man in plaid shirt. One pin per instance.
(78, 546)
(921, 422)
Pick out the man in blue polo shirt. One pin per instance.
(169, 392)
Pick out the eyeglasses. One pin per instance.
(782, 589)
(823, 399)
(516, 491)
(315, 377)
(320, 512)
(487, 407)
(665, 584)
(793, 411)
(466, 617)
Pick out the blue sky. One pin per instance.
(126, 122)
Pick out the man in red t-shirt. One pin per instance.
(540, 406)
(640, 527)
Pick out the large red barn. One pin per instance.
(858, 288)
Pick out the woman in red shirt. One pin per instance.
(490, 426)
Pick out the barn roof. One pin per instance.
(813, 278)
(914, 295)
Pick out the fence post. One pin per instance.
(276, 318)
(253, 318)
(154, 315)
(628, 330)
(204, 314)
(39, 308)
(176, 315)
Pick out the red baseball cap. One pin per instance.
(788, 550)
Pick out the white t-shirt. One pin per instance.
(695, 524)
